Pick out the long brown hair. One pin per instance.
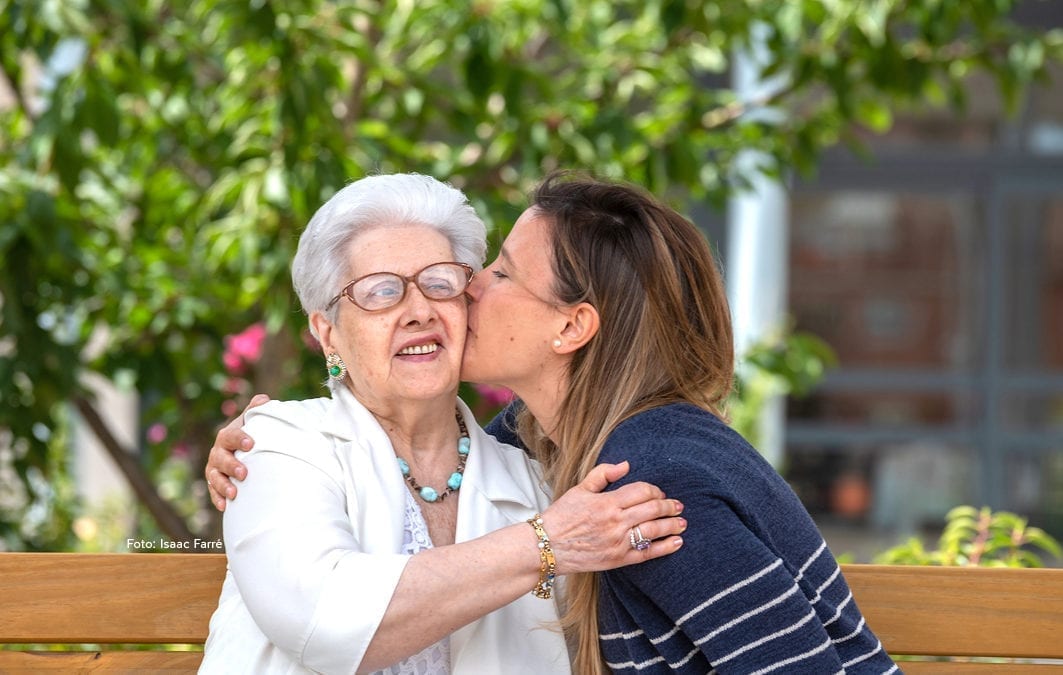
(664, 337)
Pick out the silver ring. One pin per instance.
(638, 542)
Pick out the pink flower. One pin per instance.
(244, 348)
(495, 396)
(156, 433)
(233, 363)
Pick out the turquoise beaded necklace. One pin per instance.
(454, 482)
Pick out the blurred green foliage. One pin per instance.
(158, 159)
(789, 364)
(979, 538)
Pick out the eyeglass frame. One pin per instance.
(345, 292)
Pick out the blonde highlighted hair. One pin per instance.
(664, 337)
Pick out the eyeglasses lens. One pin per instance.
(441, 281)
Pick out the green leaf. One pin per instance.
(962, 512)
(875, 115)
(169, 177)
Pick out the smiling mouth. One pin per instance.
(416, 350)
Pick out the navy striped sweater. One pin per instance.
(754, 589)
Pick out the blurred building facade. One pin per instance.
(934, 268)
(936, 273)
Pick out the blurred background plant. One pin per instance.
(979, 538)
(158, 160)
(789, 364)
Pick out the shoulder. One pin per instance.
(305, 413)
(681, 443)
(292, 428)
(679, 430)
(504, 425)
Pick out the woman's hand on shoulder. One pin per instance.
(591, 530)
(222, 463)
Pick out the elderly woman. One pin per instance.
(384, 529)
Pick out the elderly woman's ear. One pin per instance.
(323, 329)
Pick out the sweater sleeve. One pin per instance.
(739, 596)
(724, 593)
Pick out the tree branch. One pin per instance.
(168, 520)
(725, 114)
(361, 76)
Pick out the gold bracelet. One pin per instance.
(547, 565)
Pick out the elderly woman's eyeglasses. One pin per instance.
(380, 290)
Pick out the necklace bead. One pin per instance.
(429, 494)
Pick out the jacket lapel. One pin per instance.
(380, 492)
(499, 490)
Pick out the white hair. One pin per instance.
(322, 263)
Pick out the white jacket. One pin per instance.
(313, 544)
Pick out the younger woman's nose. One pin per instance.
(472, 293)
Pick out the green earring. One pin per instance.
(337, 369)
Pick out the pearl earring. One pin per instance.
(557, 343)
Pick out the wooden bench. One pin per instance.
(120, 600)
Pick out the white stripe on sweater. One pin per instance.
(808, 563)
(768, 638)
(621, 636)
(632, 664)
(731, 589)
(685, 660)
(865, 657)
(792, 659)
(838, 611)
(753, 612)
(826, 584)
(850, 636)
(716, 598)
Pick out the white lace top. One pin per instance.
(433, 659)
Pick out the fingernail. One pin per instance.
(241, 472)
(245, 443)
(683, 524)
(677, 542)
(230, 493)
(678, 506)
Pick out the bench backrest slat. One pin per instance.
(114, 661)
(108, 597)
(169, 598)
(962, 611)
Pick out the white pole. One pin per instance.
(757, 264)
